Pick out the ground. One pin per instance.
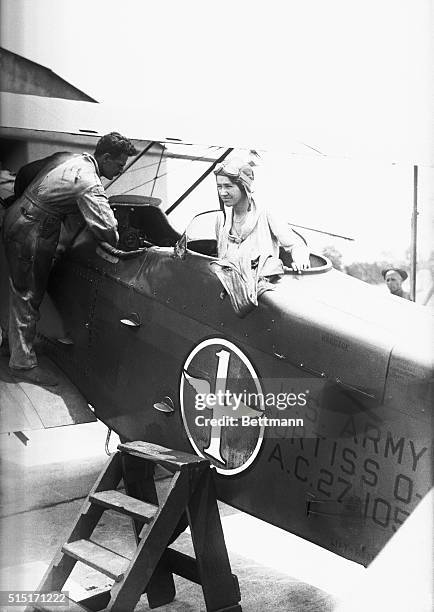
(45, 481)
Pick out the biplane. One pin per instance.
(324, 427)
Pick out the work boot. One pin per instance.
(37, 376)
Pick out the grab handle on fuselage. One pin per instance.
(123, 254)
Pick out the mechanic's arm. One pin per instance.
(95, 208)
(290, 242)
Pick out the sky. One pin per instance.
(350, 79)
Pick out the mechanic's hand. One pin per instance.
(300, 258)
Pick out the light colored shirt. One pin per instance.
(262, 237)
(75, 183)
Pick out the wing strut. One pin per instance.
(312, 229)
(199, 180)
(413, 249)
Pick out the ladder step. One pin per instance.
(67, 605)
(102, 559)
(170, 459)
(115, 500)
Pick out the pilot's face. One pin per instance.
(230, 193)
(393, 281)
(112, 166)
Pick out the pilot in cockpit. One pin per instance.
(249, 237)
(247, 228)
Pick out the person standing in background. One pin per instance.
(394, 278)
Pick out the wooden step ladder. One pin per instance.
(189, 500)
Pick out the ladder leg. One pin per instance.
(126, 593)
(220, 589)
(161, 588)
(138, 476)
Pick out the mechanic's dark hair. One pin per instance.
(115, 144)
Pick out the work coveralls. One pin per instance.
(67, 184)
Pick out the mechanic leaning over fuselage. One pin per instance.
(67, 183)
